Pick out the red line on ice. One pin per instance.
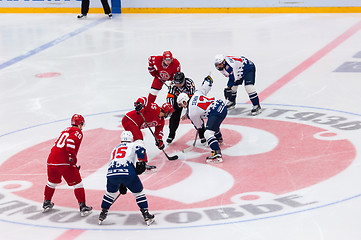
(309, 62)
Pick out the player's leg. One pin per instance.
(174, 123)
(136, 187)
(249, 81)
(214, 136)
(154, 90)
(54, 178)
(72, 176)
(110, 195)
(230, 95)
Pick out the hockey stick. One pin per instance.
(168, 86)
(171, 158)
(191, 147)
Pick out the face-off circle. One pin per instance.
(280, 162)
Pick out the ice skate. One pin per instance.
(169, 140)
(216, 157)
(148, 218)
(203, 141)
(230, 105)
(81, 16)
(47, 205)
(84, 209)
(256, 110)
(110, 15)
(103, 215)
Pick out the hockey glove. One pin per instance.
(160, 144)
(122, 189)
(227, 93)
(209, 79)
(138, 106)
(201, 132)
(140, 167)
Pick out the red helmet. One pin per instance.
(77, 120)
(167, 55)
(167, 108)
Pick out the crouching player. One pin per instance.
(123, 172)
(202, 107)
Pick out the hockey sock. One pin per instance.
(151, 98)
(79, 194)
(254, 98)
(141, 200)
(213, 143)
(48, 193)
(108, 200)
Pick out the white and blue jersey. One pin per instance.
(236, 68)
(123, 158)
(201, 107)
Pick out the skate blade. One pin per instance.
(46, 209)
(231, 108)
(256, 113)
(149, 222)
(101, 221)
(86, 213)
(215, 160)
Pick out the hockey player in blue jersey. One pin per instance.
(238, 70)
(123, 172)
(200, 107)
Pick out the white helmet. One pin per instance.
(219, 58)
(182, 97)
(126, 136)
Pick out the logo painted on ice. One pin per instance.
(283, 161)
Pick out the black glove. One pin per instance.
(140, 167)
(160, 144)
(122, 189)
(201, 132)
(138, 106)
(227, 93)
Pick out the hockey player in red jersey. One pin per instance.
(153, 114)
(62, 162)
(162, 68)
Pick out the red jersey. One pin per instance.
(151, 114)
(67, 145)
(158, 69)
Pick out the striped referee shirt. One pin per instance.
(174, 91)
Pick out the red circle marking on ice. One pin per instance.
(298, 161)
(47, 75)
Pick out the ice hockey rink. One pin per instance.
(292, 172)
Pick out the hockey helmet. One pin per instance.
(167, 55)
(77, 120)
(178, 78)
(182, 97)
(126, 136)
(167, 108)
(219, 59)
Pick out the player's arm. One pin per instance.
(151, 67)
(159, 135)
(140, 104)
(71, 146)
(142, 159)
